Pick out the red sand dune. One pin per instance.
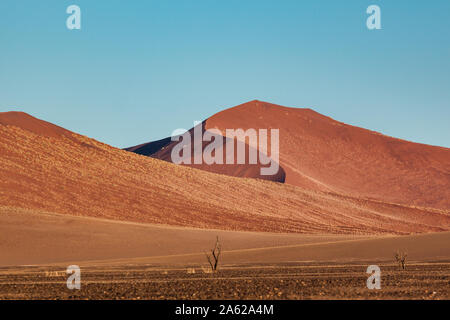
(319, 153)
(23, 120)
(47, 168)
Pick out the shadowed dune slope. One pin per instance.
(162, 149)
(66, 173)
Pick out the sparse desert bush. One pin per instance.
(213, 258)
(206, 269)
(400, 258)
(190, 270)
(55, 273)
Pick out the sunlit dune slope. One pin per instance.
(320, 153)
(58, 171)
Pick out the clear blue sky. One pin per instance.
(137, 70)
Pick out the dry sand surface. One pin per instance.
(320, 153)
(28, 238)
(71, 174)
(123, 260)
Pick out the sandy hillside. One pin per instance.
(319, 153)
(71, 174)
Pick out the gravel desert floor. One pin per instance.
(283, 281)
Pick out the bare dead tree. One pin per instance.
(213, 258)
(400, 258)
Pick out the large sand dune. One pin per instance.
(47, 168)
(319, 153)
(324, 154)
